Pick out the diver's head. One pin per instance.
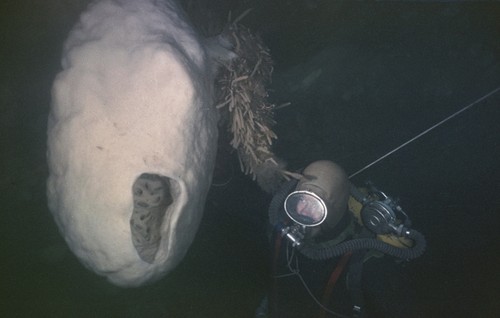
(320, 197)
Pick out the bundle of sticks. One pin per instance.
(243, 96)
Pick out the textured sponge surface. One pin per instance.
(132, 110)
(151, 199)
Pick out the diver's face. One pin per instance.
(307, 206)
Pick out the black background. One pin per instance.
(362, 77)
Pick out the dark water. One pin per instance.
(363, 78)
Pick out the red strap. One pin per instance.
(333, 279)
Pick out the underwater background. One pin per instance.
(362, 78)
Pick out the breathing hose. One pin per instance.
(322, 251)
(326, 250)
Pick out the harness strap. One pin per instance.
(333, 279)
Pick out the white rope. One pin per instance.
(426, 131)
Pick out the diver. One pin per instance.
(323, 229)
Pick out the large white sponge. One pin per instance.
(134, 99)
